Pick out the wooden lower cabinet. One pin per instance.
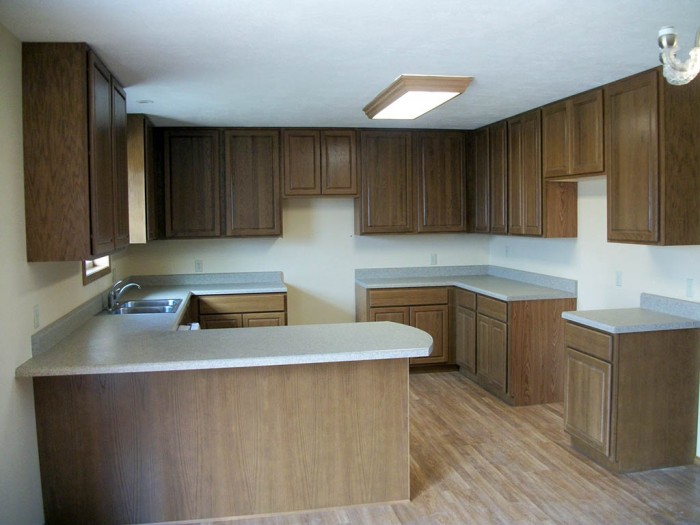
(241, 311)
(513, 349)
(630, 402)
(424, 308)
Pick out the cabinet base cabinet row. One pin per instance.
(239, 311)
(514, 350)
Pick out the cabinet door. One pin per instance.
(252, 174)
(465, 338)
(524, 175)
(586, 133)
(120, 171)
(498, 177)
(192, 182)
(555, 140)
(478, 183)
(264, 319)
(386, 201)
(338, 163)
(211, 321)
(440, 182)
(394, 314)
(587, 413)
(492, 353)
(434, 320)
(101, 160)
(302, 162)
(632, 159)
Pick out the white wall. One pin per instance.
(318, 255)
(56, 288)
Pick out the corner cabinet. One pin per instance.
(240, 311)
(145, 200)
(629, 404)
(652, 161)
(75, 164)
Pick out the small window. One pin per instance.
(93, 270)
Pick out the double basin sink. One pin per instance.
(147, 306)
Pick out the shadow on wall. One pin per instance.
(306, 308)
(46, 274)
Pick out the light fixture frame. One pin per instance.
(407, 83)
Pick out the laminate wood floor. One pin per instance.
(474, 460)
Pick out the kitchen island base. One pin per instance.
(199, 444)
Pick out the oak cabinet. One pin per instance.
(440, 181)
(478, 183)
(492, 345)
(424, 308)
(252, 182)
(572, 136)
(651, 160)
(241, 311)
(536, 207)
(629, 404)
(386, 199)
(498, 177)
(74, 134)
(144, 198)
(319, 162)
(464, 332)
(192, 182)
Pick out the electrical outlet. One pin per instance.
(37, 318)
(433, 259)
(618, 278)
(689, 285)
(198, 266)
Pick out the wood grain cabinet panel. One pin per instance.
(498, 177)
(524, 175)
(192, 183)
(242, 310)
(74, 114)
(435, 321)
(319, 162)
(252, 182)
(652, 161)
(636, 409)
(478, 182)
(440, 181)
(492, 354)
(572, 136)
(145, 201)
(465, 338)
(386, 200)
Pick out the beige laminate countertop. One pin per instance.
(107, 344)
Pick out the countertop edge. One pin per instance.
(631, 328)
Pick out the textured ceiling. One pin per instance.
(317, 63)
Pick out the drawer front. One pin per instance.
(591, 342)
(234, 304)
(492, 308)
(465, 299)
(408, 296)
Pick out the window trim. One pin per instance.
(94, 269)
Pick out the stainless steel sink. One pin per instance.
(148, 306)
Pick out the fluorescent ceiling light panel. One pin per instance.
(411, 96)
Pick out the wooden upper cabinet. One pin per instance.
(192, 183)
(319, 162)
(478, 182)
(498, 177)
(121, 173)
(386, 200)
(252, 181)
(572, 136)
(144, 198)
(652, 161)
(73, 113)
(524, 175)
(440, 181)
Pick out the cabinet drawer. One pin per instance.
(465, 299)
(591, 342)
(232, 304)
(493, 308)
(407, 296)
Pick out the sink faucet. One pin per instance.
(116, 292)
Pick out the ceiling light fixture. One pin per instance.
(678, 72)
(410, 96)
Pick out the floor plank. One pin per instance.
(476, 460)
